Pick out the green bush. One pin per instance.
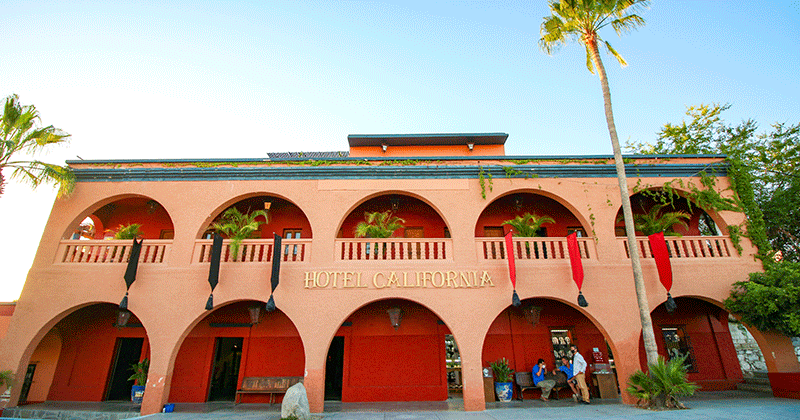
(659, 388)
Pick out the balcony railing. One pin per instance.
(685, 247)
(98, 251)
(394, 249)
(532, 248)
(254, 251)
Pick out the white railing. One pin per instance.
(254, 250)
(685, 247)
(532, 248)
(394, 249)
(99, 251)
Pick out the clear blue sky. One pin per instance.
(239, 79)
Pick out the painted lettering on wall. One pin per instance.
(393, 279)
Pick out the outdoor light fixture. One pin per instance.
(123, 315)
(531, 314)
(384, 146)
(152, 205)
(517, 202)
(255, 314)
(395, 203)
(470, 146)
(395, 316)
(267, 205)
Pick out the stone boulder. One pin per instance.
(295, 403)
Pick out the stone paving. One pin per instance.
(735, 405)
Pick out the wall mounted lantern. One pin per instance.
(152, 205)
(531, 314)
(395, 203)
(384, 146)
(517, 202)
(123, 315)
(255, 314)
(471, 146)
(395, 316)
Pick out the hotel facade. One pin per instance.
(414, 317)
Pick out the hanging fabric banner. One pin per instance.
(658, 245)
(130, 271)
(213, 268)
(512, 268)
(577, 266)
(277, 255)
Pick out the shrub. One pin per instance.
(659, 388)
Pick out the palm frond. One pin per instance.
(616, 55)
(527, 225)
(378, 225)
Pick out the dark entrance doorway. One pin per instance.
(129, 351)
(26, 384)
(225, 372)
(333, 370)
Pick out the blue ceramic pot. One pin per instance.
(504, 390)
(137, 393)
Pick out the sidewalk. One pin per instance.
(735, 405)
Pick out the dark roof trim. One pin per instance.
(446, 139)
(393, 172)
(402, 158)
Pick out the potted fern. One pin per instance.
(527, 226)
(139, 379)
(378, 225)
(503, 386)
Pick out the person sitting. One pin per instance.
(547, 385)
(566, 367)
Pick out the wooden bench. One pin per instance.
(525, 381)
(267, 385)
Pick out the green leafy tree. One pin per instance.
(528, 225)
(6, 378)
(581, 20)
(131, 231)
(660, 387)
(378, 225)
(770, 300)
(656, 220)
(764, 168)
(238, 226)
(20, 135)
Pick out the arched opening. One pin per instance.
(654, 204)
(545, 329)
(86, 357)
(419, 234)
(236, 341)
(104, 236)
(699, 331)
(391, 350)
(554, 220)
(283, 218)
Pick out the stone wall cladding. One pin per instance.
(750, 357)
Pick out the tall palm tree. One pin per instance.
(20, 134)
(580, 20)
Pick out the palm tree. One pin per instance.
(378, 225)
(130, 231)
(527, 225)
(580, 20)
(237, 226)
(19, 134)
(655, 221)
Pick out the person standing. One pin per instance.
(579, 370)
(539, 380)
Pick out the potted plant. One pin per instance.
(139, 379)
(527, 226)
(238, 226)
(503, 386)
(131, 231)
(378, 225)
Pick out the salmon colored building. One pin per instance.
(414, 317)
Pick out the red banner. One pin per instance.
(659, 247)
(575, 259)
(512, 267)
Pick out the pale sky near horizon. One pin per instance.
(234, 79)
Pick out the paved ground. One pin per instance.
(735, 405)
